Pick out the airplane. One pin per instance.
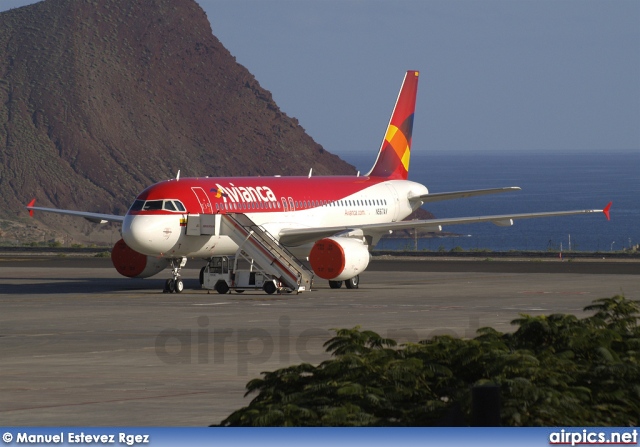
(332, 221)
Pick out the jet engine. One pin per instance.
(339, 258)
(132, 264)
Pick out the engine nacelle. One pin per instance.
(132, 264)
(339, 258)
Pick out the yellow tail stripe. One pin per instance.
(399, 143)
(405, 159)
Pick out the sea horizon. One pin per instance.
(550, 181)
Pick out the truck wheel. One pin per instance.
(221, 287)
(201, 277)
(269, 287)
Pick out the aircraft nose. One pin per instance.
(150, 235)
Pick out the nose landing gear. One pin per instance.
(175, 283)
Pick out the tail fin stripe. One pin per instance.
(393, 157)
(398, 141)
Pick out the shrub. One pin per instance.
(554, 370)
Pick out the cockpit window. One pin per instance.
(155, 205)
(152, 205)
(137, 205)
(174, 205)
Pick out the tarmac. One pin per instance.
(82, 346)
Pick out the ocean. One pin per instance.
(550, 181)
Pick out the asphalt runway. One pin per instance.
(82, 346)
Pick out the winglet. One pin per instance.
(606, 210)
(33, 202)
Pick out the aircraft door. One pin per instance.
(203, 198)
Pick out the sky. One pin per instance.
(495, 75)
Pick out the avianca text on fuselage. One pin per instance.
(236, 194)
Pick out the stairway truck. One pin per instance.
(226, 273)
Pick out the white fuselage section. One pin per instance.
(164, 235)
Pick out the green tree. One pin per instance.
(553, 370)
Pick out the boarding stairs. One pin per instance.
(266, 251)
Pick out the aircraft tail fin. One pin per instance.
(393, 157)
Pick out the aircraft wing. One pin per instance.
(93, 217)
(299, 236)
(436, 197)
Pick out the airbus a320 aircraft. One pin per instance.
(333, 221)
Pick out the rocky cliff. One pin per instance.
(101, 98)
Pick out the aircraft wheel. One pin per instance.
(178, 286)
(353, 283)
(335, 284)
(169, 286)
(269, 287)
(222, 287)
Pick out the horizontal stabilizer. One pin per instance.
(436, 197)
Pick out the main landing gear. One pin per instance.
(175, 284)
(351, 283)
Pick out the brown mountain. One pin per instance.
(101, 98)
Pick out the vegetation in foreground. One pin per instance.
(554, 370)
